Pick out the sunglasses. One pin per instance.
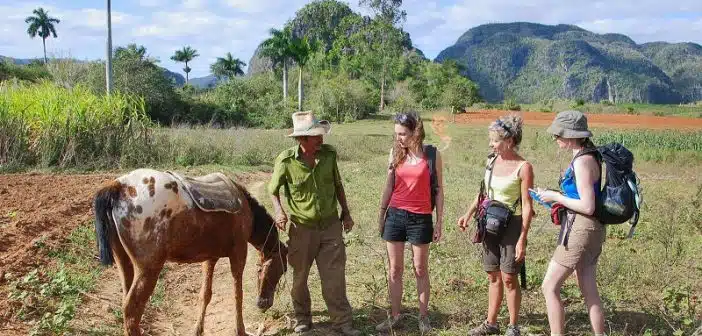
(405, 120)
(504, 127)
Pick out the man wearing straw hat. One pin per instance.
(309, 176)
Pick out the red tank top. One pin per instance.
(412, 191)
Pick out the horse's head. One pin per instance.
(273, 254)
(271, 267)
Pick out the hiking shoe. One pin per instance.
(389, 324)
(424, 324)
(302, 326)
(348, 330)
(513, 330)
(484, 329)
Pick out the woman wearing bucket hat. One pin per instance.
(582, 235)
(507, 179)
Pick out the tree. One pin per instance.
(387, 14)
(227, 67)
(277, 48)
(134, 51)
(43, 25)
(300, 51)
(185, 55)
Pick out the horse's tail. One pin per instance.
(105, 200)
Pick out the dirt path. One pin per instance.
(594, 120)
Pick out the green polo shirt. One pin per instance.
(310, 193)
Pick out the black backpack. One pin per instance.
(620, 199)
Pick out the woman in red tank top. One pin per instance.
(406, 213)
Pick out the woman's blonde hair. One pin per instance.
(508, 127)
(414, 123)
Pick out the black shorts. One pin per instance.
(404, 226)
(499, 252)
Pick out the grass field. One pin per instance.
(650, 284)
(693, 110)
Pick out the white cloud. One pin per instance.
(249, 6)
(152, 3)
(195, 4)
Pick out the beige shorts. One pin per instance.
(584, 244)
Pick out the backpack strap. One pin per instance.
(585, 151)
(485, 188)
(430, 154)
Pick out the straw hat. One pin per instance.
(305, 124)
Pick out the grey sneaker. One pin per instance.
(348, 330)
(424, 325)
(513, 330)
(484, 329)
(390, 323)
(302, 326)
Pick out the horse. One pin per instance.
(145, 218)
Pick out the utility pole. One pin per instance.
(108, 67)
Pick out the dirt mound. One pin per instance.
(594, 120)
(39, 211)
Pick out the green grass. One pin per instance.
(49, 295)
(647, 283)
(693, 110)
(49, 126)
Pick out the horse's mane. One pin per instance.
(264, 234)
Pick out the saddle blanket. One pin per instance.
(212, 192)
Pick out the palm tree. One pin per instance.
(134, 51)
(43, 25)
(300, 51)
(277, 48)
(185, 55)
(227, 67)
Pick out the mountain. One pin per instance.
(532, 62)
(177, 78)
(208, 81)
(321, 21)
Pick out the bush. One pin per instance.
(340, 99)
(48, 126)
(69, 73)
(140, 77)
(255, 101)
(511, 105)
(33, 72)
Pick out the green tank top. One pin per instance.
(506, 189)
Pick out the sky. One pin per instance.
(215, 27)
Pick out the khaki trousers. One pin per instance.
(326, 247)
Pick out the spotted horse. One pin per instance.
(146, 218)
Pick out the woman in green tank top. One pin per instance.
(508, 181)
